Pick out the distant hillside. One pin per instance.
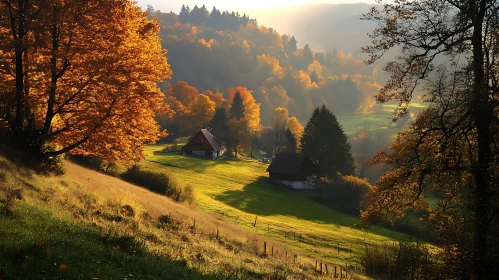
(323, 26)
(216, 50)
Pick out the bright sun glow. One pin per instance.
(167, 6)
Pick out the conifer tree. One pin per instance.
(237, 108)
(326, 143)
(293, 44)
(220, 119)
(291, 144)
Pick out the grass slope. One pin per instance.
(86, 225)
(237, 191)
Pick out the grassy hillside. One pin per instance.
(86, 225)
(237, 191)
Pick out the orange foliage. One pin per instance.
(251, 108)
(93, 92)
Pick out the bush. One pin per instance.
(346, 193)
(159, 183)
(155, 182)
(404, 260)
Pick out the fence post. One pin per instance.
(315, 265)
(217, 233)
(265, 248)
(334, 271)
(341, 272)
(327, 271)
(256, 217)
(272, 250)
(321, 268)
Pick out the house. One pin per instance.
(204, 144)
(293, 170)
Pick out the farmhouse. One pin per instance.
(204, 144)
(293, 170)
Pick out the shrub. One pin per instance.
(345, 193)
(159, 183)
(188, 194)
(155, 182)
(404, 260)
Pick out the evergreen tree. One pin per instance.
(215, 19)
(308, 57)
(291, 144)
(185, 13)
(326, 143)
(220, 119)
(237, 108)
(293, 44)
(150, 11)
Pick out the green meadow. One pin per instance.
(237, 191)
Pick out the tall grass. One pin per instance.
(398, 261)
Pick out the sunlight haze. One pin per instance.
(167, 6)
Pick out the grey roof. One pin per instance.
(215, 143)
(290, 163)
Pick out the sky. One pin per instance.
(175, 5)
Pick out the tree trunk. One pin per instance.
(18, 36)
(482, 114)
(53, 85)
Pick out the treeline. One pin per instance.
(211, 52)
(216, 19)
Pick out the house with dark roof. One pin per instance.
(204, 144)
(293, 170)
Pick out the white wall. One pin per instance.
(298, 185)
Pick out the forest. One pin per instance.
(215, 51)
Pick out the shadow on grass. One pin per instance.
(35, 245)
(196, 164)
(264, 198)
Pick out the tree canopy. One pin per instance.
(278, 72)
(60, 89)
(324, 141)
(450, 152)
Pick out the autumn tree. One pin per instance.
(203, 110)
(451, 149)
(239, 134)
(279, 127)
(295, 127)
(325, 142)
(251, 111)
(77, 95)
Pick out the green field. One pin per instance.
(237, 191)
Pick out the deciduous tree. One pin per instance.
(251, 108)
(203, 110)
(87, 91)
(279, 127)
(451, 149)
